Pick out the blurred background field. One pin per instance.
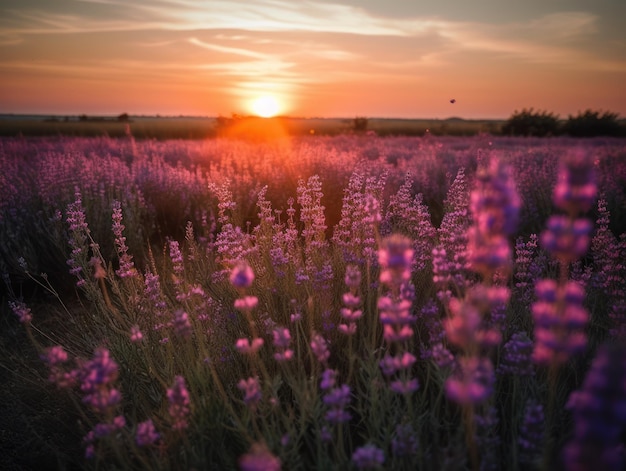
(153, 127)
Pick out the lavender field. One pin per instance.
(347, 302)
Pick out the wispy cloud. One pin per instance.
(227, 50)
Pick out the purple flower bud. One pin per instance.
(22, 311)
(242, 276)
(395, 257)
(368, 457)
(575, 191)
(244, 345)
(472, 383)
(353, 277)
(320, 348)
(259, 458)
(146, 434)
(179, 404)
(566, 239)
(404, 386)
(247, 303)
(251, 390)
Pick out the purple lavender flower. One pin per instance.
(494, 202)
(337, 399)
(135, 334)
(242, 276)
(246, 303)
(368, 457)
(182, 325)
(176, 257)
(442, 356)
(153, 293)
(259, 458)
(560, 320)
(353, 277)
(567, 239)
(251, 390)
(487, 253)
(179, 404)
(22, 311)
(329, 378)
(79, 238)
(404, 386)
(56, 357)
(105, 429)
(244, 345)
(282, 340)
(531, 433)
(516, 356)
(97, 378)
(392, 364)
(146, 434)
(430, 317)
(395, 257)
(404, 442)
(127, 267)
(463, 322)
(599, 412)
(576, 189)
(472, 383)
(319, 347)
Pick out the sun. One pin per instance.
(265, 106)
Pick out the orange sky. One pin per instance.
(327, 58)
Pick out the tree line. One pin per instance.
(589, 123)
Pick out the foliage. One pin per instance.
(593, 123)
(529, 122)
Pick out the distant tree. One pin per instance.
(123, 118)
(593, 123)
(529, 122)
(83, 117)
(359, 124)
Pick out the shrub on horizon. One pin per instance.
(529, 122)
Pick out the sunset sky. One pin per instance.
(328, 58)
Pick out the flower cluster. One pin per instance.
(560, 320)
(495, 206)
(472, 382)
(368, 457)
(474, 322)
(146, 434)
(179, 404)
(559, 316)
(282, 341)
(97, 382)
(127, 267)
(516, 356)
(251, 391)
(80, 235)
(396, 258)
(56, 357)
(351, 300)
(22, 311)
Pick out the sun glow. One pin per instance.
(265, 106)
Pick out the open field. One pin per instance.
(199, 128)
(310, 302)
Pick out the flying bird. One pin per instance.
(453, 101)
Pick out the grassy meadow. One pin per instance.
(319, 301)
(161, 128)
